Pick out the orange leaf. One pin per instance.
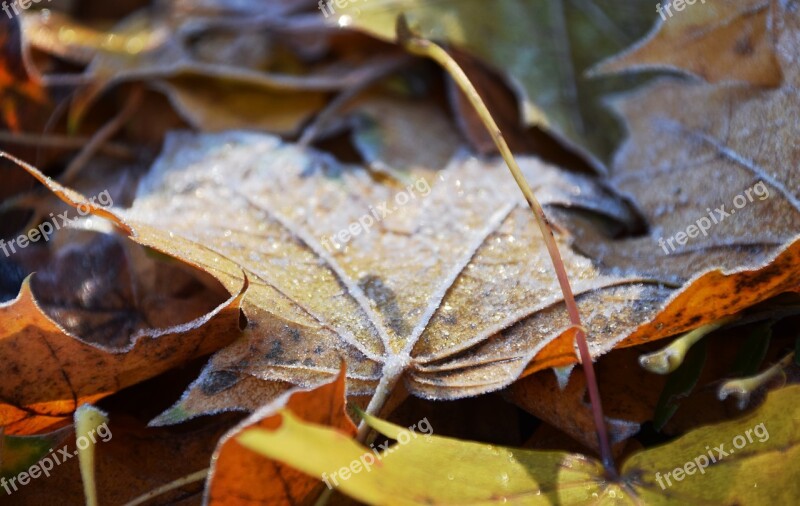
(242, 477)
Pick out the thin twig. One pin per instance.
(424, 47)
(169, 487)
(102, 136)
(65, 142)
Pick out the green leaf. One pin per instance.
(680, 384)
(18, 453)
(753, 351)
(543, 46)
(761, 465)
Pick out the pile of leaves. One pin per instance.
(264, 238)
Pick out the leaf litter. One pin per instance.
(419, 266)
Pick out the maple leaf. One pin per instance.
(112, 330)
(239, 476)
(732, 143)
(455, 295)
(432, 469)
(717, 41)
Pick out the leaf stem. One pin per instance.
(666, 360)
(169, 487)
(389, 379)
(423, 47)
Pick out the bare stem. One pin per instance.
(102, 136)
(169, 487)
(426, 48)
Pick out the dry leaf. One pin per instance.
(241, 477)
(544, 54)
(432, 469)
(629, 395)
(431, 294)
(720, 158)
(48, 372)
(723, 40)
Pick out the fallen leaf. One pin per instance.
(216, 104)
(48, 372)
(544, 55)
(425, 296)
(18, 453)
(387, 132)
(727, 40)
(429, 469)
(389, 301)
(628, 393)
(717, 158)
(239, 476)
(182, 49)
(501, 100)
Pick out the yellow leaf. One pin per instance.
(761, 465)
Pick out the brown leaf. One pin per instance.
(720, 158)
(387, 132)
(725, 40)
(48, 372)
(542, 47)
(422, 296)
(629, 394)
(368, 299)
(210, 72)
(240, 476)
(499, 97)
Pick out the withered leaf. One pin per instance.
(713, 169)
(239, 476)
(48, 370)
(48, 373)
(245, 78)
(724, 40)
(451, 291)
(542, 47)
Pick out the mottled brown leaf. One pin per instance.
(453, 292)
(723, 40)
(241, 477)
